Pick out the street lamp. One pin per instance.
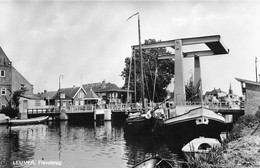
(61, 76)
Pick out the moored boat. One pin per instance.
(36, 120)
(4, 119)
(143, 124)
(194, 124)
(201, 145)
(153, 162)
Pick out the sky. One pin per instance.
(88, 41)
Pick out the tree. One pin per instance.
(164, 73)
(189, 89)
(13, 104)
(192, 92)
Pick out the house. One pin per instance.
(109, 92)
(49, 97)
(93, 93)
(215, 96)
(66, 97)
(10, 80)
(226, 100)
(251, 94)
(32, 101)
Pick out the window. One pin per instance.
(81, 94)
(3, 91)
(62, 95)
(22, 86)
(37, 103)
(2, 73)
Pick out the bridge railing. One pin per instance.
(126, 106)
(72, 108)
(81, 108)
(42, 110)
(211, 105)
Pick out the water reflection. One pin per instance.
(95, 144)
(5, 149)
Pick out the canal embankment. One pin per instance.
(241, 149)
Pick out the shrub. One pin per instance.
(257, 115)
(213, 159)
(246, 121)
(10, 112)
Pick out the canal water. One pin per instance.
(65, 144)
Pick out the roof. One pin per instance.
(97, 87)
(3, 55)
(14, 71)
(104, 87)
(73, 91)
(32, 96)
(213, 92)
(49, 95)
(247, 81)
(90, 89)
(70, 92)
(91, 94)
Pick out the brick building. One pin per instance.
(10, 80)
(251, 93)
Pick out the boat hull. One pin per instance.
(3, 122)
(36, 120)
(181, 130)
(4, 119)
(143, 126)
(201, 145)
(153, 162)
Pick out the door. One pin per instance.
(25, 105)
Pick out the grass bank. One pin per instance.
(241, 149)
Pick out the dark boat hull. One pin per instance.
(182, 133)
(197, 123)
(143, 126)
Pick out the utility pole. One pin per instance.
(61, 76)
(256, 69)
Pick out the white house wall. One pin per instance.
(31, 104)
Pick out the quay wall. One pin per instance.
(252, 99)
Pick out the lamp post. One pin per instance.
(61, 76)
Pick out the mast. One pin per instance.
(129, 76)
(141, 63)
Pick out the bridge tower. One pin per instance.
(214, 47)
